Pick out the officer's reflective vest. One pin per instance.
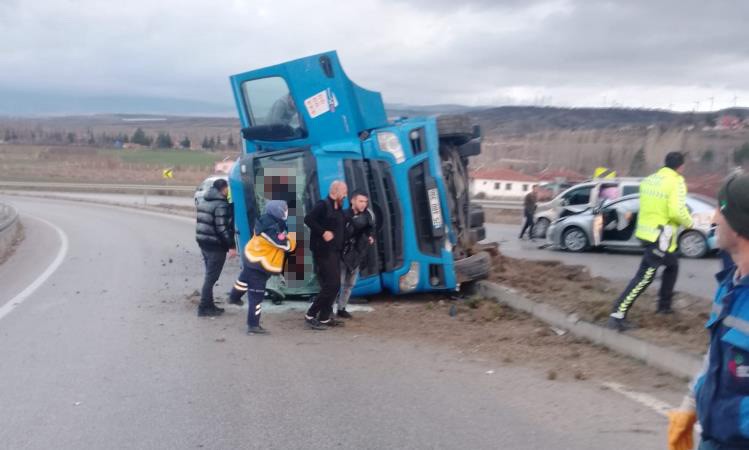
(663, 197)
(722, 390)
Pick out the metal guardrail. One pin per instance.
(8, 215)
(98, 187)
(94, 186)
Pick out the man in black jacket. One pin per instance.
(326, 221)
(215, 235)
(358, 235)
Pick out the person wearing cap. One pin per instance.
(264, 255)
(663, 210)
(719, 395)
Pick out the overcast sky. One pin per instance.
(475, 52)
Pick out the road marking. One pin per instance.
(651, 402)
(8, 307)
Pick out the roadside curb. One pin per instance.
(10, 230)
(680, 364)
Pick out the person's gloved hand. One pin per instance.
(681, 429)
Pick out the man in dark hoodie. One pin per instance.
(326, 221)
(264, 255)
(358, 235)
(215, 235)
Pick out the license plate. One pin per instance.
(435, 208)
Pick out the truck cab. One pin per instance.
(305, 124)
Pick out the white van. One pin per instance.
(580, 197)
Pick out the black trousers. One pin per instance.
(651, 261)
(528, 225)
(328, 270)
(252, 281)
(214, 263)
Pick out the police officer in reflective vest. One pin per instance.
(719, 395)
(663, 210)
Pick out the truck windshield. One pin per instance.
(270, 105)
(290, 176)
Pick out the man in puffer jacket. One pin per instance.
(263, 256)
(215, 235)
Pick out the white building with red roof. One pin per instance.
(501, 182)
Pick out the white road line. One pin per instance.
(8, 307)
(651, 402)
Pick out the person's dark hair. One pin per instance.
(357, 193)
(674, 160)
(220, 184)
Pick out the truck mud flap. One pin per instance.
(474, 267)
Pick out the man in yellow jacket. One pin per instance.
(663, 211)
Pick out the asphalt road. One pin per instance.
(696, 276)
(107, 353)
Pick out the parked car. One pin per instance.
(579, 198)
(205, 185)
(613, 224)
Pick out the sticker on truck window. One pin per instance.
(435, 208)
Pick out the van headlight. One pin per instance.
(389, 142)
(410, 280)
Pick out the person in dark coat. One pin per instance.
(215, 235)
(529, 210)
(326, 222)
(263, 256)
(358, 237)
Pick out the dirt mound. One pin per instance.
(573, 289)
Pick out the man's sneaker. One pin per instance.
(210, 311)
(343, 314)
(257, 330)
(237, 302)
(664, 311)
(333, 323)
(314, 324)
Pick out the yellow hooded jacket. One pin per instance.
(663, 197)
(270, 255)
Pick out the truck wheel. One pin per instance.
(455, 128)
(474, 267)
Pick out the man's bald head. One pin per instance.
(338, 190)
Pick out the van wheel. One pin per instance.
(692, 244)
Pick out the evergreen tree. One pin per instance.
(140, 138)
(205, 144)
(71, 138)
(185, 143)
(230, 143)
(164, 140)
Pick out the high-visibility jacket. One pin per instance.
(663, 204)
(268, 251)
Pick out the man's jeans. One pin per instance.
(348, 280)
(214, 262)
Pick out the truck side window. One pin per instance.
(269, 102)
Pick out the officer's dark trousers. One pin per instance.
(214, 262)
(651, 261)
(252, 281)
(528, 225)
(328, 270)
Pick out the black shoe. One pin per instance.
(210, 311)
(665, 311)
(314, 324)
(333, 323)
(237, 302)
(257, 330)
(620, 325)
(343, 314)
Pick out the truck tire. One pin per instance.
(474, 267)
(455, 128)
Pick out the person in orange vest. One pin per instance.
(264, 256)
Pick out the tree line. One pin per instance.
(162, 139)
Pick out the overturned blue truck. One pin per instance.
(305, 124)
